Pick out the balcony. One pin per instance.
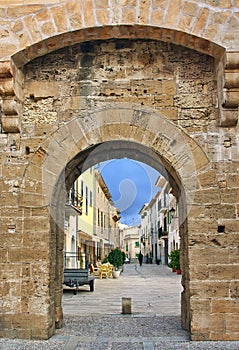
(116, 217)
(162, 233)
(74, 201)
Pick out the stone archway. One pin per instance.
(34, 155)
(77, 146)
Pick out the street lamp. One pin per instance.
(172, 212)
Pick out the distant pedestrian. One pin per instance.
(140, 258)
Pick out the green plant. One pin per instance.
(105, 260)
(115, 257)
(174, 257)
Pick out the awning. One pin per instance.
(85, 236)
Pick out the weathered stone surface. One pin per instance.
(208, 290)
(74, 98)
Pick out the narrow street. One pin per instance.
(153, 289)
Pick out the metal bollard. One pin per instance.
(126, 305)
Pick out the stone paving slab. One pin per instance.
(153, 289)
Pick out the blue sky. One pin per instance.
(131, 184)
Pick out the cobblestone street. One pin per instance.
(95, 321)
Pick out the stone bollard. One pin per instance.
(126, 305)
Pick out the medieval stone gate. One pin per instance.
(85, 81)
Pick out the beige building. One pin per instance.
(106, 218)
(130, 241)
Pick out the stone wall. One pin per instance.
(178, 83)
(81, 82)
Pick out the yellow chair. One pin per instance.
(110, 270)
(103, 273)
(95, 270)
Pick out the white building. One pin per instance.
(159, 225)
(73, 211)
(144, 231)
(130, 241)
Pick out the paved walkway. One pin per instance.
(153, 290)
(95, 320)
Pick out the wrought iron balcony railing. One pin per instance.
(75, 200)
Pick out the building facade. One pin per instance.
(159, 230)
(91, 231)
(106, 218)
(130, 241)
(73, 212)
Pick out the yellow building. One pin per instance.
(86, 243)
(92, 231)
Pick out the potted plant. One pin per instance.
(177, 262)
(174, 263)
(171, 263)
(115, 258)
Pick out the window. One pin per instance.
(91, 199)
(137, 244)
(165, 224)
(165, 199)
(72, 194)
(82, 188)
(127, 247)
(159, 205)
(86, 200)
(98, 217)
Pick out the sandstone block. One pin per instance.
(60, 19)
(5, 70)
(225, 306)
(42, 89)
(224, 272)
(209, 289)
(6, 87)
(102, 3)
(234, 289)
(201, 306)
(207, 255)
(224, 336)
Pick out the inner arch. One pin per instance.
(134, 31)
(100, 152)
(119, 149)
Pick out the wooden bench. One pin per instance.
(78, 277)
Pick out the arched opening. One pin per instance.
(95, 121)
(106, 151)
